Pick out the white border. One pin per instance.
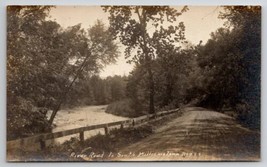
(4, 3)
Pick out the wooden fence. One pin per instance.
(41, 138)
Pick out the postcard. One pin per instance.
(133, 83)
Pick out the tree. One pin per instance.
(172, 74)
(24, 65)
(246, 22)
(131, 24)
(220, 62)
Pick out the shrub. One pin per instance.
(248, 115)
(24, 119)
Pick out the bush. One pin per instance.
(248, 115)
(24, 119)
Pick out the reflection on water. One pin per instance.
(80, 117)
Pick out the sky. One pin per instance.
(199, 22)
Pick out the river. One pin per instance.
(80, 117)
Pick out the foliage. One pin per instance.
(230, 62)
(24, 68)
(44, 61)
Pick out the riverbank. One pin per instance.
(81, 117)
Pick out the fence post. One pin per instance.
(121, 126)
(133, 122)
(106, 130)
(42, 144)
(82, 136)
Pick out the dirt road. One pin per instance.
(198, 135)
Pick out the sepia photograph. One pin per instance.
(133, 83)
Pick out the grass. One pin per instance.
(99, 144)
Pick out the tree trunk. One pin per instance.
(169, 89)
(148, 59)
(62, 97)
(151, 91)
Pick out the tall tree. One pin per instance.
(138, 28)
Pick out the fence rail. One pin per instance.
(41, 138)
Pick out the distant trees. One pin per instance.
(117, 87)
(96, 91)
(43, 63)
(141, 29)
